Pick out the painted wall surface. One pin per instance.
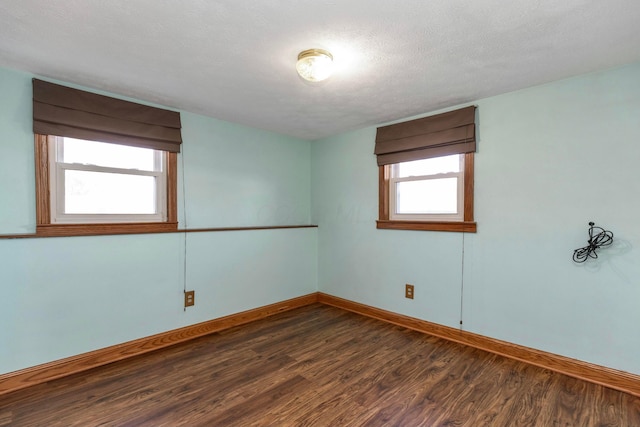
(238, 176)
(65, 296)
(360, 263)
(550, 159)
(17, 193)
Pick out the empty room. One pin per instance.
(297, 213)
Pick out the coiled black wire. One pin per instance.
(601, 239)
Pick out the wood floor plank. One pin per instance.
(319, 366)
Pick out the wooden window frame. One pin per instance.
(44, 227)
(468, 225)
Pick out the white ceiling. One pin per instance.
(235, 59)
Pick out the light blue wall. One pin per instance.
(550, 159)
(17, 193)
(238, 176)
(360, 263)
(61, 297)
(65, 296)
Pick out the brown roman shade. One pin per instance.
(63, 111)
(448, 133)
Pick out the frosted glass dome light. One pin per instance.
(315, 65)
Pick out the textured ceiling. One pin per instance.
(235, 59)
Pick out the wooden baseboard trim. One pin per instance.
(612, 378)
(60, 368)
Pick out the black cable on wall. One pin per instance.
(598, 238)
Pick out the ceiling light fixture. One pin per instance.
(315, 65)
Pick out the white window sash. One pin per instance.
(394, 180)
(57, 190)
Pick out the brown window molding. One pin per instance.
(467, 226)
(44, 227)
(151, 229)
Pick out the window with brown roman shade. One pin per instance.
(63, 111)
(440, 135)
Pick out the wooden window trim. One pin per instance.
(466, 226)
(44, 227)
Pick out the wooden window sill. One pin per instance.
(463, 226)
(103, 230)
(61, 230)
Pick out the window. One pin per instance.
(89, 187)
(431, 194)
(103, 165)
(100, 182)
(427, 189)
(426, 173)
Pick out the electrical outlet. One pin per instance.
(189, 298)
(408, 291)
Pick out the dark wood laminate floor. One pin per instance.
(319, 366)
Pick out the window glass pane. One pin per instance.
(430, 196)
(109, 193)
(107, 155)
(432, 166)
